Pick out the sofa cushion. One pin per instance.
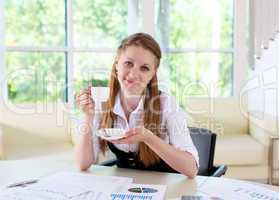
(47, 122)
(257, 173)
(59, 151)
(221, 115)
(239, 149)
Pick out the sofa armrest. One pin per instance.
(263, 127)
(259, 132)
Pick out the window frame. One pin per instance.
(3, 82)
(239, 50)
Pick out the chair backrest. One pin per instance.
(204, 140)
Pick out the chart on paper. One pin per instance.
(140, 192)
(33, 194)
(68, 186)
(130, 197)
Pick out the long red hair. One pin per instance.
(152, 104)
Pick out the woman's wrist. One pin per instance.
(85, 125)
(149, 137)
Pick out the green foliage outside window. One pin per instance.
(99, 23)
(35, 77)
(35, 23)
(197, 24)
(41, 76)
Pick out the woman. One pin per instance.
(157, 137)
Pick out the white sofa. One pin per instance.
(47, 131)
(238, 145)
(35, 131)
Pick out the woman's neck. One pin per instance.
(129, 103)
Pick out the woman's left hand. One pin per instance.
(135, 135)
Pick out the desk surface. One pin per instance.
(177, 184)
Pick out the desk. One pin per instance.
(177, 184)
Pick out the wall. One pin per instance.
(262, 88)
(263, 99)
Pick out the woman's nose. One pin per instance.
(133, 73)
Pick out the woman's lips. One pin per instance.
(130, 82)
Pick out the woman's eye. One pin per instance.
(128, 63)
(145, 68)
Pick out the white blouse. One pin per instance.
(175, 130)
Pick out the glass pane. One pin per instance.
(36, 23)
(35, 77)
(202, 74)
(92, 69)
(99, 23)
(195, 23)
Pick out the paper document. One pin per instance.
(68, 185)
(140, 192)
(224, 189)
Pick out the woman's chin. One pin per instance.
(132, 91)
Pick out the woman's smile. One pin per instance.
(129, 82)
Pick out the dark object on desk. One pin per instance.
(199, 198)
(22, 183)
(204, 141)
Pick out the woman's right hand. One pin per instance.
(85, 102)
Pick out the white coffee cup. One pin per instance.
(100, 94)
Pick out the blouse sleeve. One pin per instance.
(177, 129)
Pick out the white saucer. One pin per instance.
(111, 133)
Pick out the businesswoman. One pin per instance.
(157, 137)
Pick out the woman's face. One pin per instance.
(135, 68)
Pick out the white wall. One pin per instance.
(262, 88)
(263, 99)
(240, 46)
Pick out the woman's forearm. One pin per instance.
(84, 152)
(181, 161)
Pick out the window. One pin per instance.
(197, 36)
(56, 47)
(32, 75)
(98, 26)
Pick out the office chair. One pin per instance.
(204, 140)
